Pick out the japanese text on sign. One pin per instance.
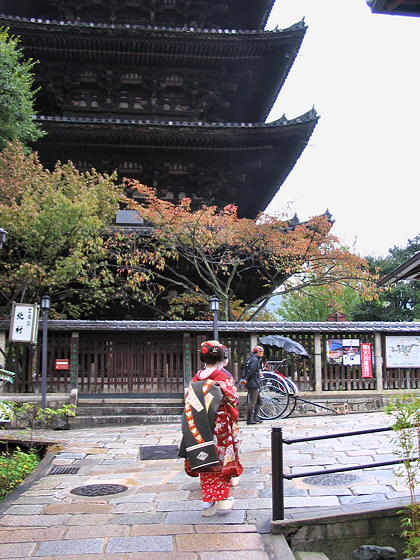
(366, 360)
(24, 323)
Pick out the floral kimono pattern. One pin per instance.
(215, 480)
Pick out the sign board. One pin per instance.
(366, 360)
(24, 323)
(62, 364)
(402, 351)
(351, 352)
(334, 351)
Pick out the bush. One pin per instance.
(405, 411)
(14, 468)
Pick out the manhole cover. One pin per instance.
(331, 479)
(98, 489)
(64, 470)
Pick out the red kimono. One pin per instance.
(215, 480)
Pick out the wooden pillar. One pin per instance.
(318, 363)
(74, 359)
(254, 341)
(187, 360)
(379, 363)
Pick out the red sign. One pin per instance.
(366, 360)
(62, 364)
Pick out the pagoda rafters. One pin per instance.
(207, 75)
(217, 14)
(174, 93)
(222, 164)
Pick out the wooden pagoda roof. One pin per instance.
(224, 14)
(267, 56)
(261, 154)
(395, 7)
(408, 270)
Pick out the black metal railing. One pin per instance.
(278, 476)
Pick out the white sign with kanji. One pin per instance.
(24, 323)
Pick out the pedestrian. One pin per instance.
(251, 380)
(210, 430)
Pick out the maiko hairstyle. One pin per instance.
(211, 352)
(225, 352)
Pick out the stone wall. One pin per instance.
(338, 536)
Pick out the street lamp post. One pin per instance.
(3, 237)
(45, 305)
(214, 307)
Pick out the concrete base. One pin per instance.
(338, 536)
(277, 547)
(340, 402)
(310, 556)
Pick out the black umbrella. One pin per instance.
(287, 344)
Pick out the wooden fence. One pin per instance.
(155, 362)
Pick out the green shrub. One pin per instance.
(405, 411)
(14, 468)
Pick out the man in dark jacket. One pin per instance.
(252, 383)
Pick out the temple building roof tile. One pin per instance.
(62, 24)
(176, 97)
(260, 327)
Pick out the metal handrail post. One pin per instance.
(277, 473)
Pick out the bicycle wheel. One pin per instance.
(275, 397)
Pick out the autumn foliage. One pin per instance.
(190, 255)
(62, 239)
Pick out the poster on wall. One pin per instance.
(351, 352)
(402, 351)
(366, 360)
(334, 351)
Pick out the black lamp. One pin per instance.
(214, 308)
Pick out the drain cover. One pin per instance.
(98, 489)
(64, 470)
(331, 479)
(149, 452)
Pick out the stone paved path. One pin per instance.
(159, 515)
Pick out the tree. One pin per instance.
(316, 303)
(16, 94)
(399, 302)
(55, 222)
(188, 256)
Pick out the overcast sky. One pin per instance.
(361, 72)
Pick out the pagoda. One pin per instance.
(174, 93)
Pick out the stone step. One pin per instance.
(310, 556)
(127, 401)
(132, 409)
(152, 409)
(138, 419)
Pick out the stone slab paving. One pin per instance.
(158, 515)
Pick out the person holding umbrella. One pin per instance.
(251, 380)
